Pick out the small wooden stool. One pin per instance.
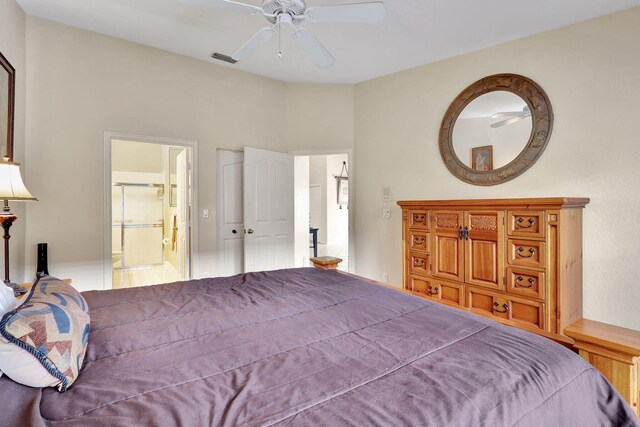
(326, 262)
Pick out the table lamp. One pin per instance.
(11, 188)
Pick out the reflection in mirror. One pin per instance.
(492, 130)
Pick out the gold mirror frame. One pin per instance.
(541, 115)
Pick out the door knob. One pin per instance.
(234, 231)
(250, 231)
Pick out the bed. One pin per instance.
(310, 347)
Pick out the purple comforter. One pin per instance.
(310, 347)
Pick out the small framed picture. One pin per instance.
(482, 158)
(343, 190)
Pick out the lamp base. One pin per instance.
(17, 289)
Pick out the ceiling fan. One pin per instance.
(510, 117)
(290, 14)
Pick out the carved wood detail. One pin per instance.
(541, 114)
(484, 222)
(447, 221)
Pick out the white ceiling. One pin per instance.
(415, 32)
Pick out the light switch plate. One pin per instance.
(386, 194)
(386, 213)
(205, 213)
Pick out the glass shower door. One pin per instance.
(142, 225)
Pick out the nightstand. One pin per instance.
(614, 351)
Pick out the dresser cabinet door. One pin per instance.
(484, 243)
(448, 253)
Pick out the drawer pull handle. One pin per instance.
(419, 218)
(418, 240)
(496, 306)
(521, 220)
(520, 279)
(521, 250)
(433, 291)
(418, 262)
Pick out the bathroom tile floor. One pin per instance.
(144, 276)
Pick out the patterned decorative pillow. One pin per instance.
(43, 342)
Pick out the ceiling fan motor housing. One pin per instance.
(276, 7)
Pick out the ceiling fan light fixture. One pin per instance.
(291, 13)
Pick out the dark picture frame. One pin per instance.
(482, 158)
(7, 106)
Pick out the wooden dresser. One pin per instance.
(516, 260)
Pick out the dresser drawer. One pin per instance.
(520, 310)
(528, 283)
(451, 293)
(419, 262)
(419, 241)
(419, 219)
(526, 253)
(526, 224)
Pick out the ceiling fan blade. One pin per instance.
(507, 114)
(507, 122)
(254, 43)
(354, 12)
(312, 45)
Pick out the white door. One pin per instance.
(229, 213)
(183, 211)
(268, 210)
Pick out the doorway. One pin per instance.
(269, 203)
(324, 193)
(149, 212)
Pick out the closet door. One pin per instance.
(484, 248)
(448, 253)
(268, 210)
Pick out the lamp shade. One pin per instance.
(11, 185)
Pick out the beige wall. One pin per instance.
(319, 117)
(139, 157)
(82, 84)
(591, 72)
(13, 47)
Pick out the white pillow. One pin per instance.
(7, 300)
(20, 365)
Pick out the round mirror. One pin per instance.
(496, 129)
(492, 130)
